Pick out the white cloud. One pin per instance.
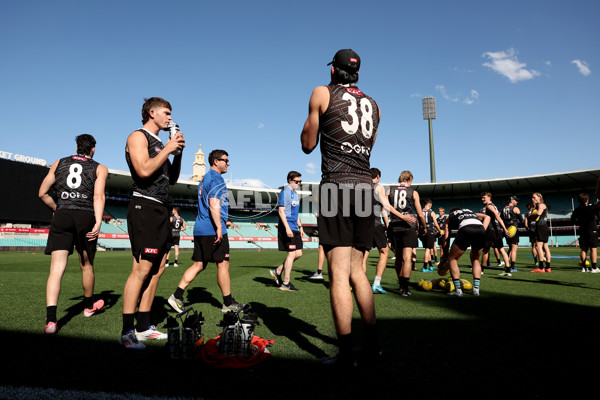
(310, 168)
(261, 125)
(583, 67)
(445, 95)
(506, 63)
(472, 97)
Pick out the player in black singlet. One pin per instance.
(177, 225)
(542, 233)
(495, 231)
(511, 215)
(428, 239)
(403, 229)
(345, 121)
(148, 217)
(586, 217)
(79, 183)
(470, 228)
(441, 220)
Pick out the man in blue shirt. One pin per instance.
(289, 230)
(211, 243)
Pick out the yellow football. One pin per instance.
(512, 231)
(444, 267)
(466, 285)
(427, 286)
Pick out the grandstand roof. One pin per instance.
(583, 180)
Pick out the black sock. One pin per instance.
(371, 340)
(179, 293)
(88, 302)
(593, 265)
(176, 261)
(541, 265)
(507, 269)
(547, 265)
(143, 321)
(512, 264)
(128, 323)
(345, 345)
(51, 314)
(227, 300)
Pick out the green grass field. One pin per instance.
(528, 336)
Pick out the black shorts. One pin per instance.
(428, 240)
(345, 216)
(499, 243)
(206, 251)
(471, 235)
(149, 228)
(589, 239)
(401, 238)
(379, 237)
(68, 229)
(513, 240)
(175, 240)
(542, 233)
(490, 238)
(286, 243)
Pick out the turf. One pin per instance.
(529, 336)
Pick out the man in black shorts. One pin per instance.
(379, 236)
(511, 215)
(148, 217)
(495, 231)
(177, 225)
(289, 231)
(403, 229)
(471, 229)
(585, 217)
(346, 120)
(441, 220)
(211, 243)
(428, 238)
(79, 183)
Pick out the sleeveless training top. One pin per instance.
(460, 218)
(176, 225)
(347, 128)
(156, 186)
(75, 179)
(509, 217)
(377, 207)
(402, 199)
(428, 220)
(494, 224)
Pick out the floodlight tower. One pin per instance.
(429, 114)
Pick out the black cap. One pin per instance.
(347, 60)
(515, 198)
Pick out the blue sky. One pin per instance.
(516, 82)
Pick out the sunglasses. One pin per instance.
(297, 182)
(226, 160)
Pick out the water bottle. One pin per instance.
(173, 129)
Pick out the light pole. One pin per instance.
(429, 114)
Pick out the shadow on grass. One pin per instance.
(509, 346)
(109, 298)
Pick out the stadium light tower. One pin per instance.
(429, 114)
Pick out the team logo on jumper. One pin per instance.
(148, 250)
(79, 158)
(358, 149)
(157, 149)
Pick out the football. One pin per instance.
(443, 267)
(512, 231)
(466, 285)
(427, 286)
